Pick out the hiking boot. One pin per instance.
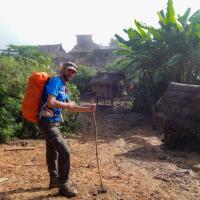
(67, 191)
(54, 182)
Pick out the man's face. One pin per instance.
(68, 74)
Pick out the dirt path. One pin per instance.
(134, 164)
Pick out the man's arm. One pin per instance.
(53, 103)
(70, 106)
(82, 109)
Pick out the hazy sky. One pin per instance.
(38, 22)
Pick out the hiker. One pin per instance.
(55, 98)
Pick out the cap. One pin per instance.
(70, 65)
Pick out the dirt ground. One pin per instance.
(133, 162)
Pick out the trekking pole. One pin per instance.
(102, 189)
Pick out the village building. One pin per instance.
(55, 51)
(85, 52)
(108, 86)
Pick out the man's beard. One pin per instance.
(66, 77)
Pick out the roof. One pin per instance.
(180, 104)
(84, 44)
(88, 47)
(54, 50)
(107, 78)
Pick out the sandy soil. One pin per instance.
(133, 162)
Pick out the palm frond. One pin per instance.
(195, 18)
(140, 30)
(184, 18)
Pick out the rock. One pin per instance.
(3, 179)
(90, 165)
(196, 168)
(163, 157)
(161, 178)
(180, 173)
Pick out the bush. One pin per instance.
(70, 118)
(83, 77)
(13, 78)
(16, 65)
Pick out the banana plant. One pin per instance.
(160, 55)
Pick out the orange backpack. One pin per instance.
(33, 94)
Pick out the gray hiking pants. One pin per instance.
(57, 152)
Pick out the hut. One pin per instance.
(55, 51)
(178, 110)
(83, 51)
(87, 52)
(108, 85)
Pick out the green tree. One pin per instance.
(83, 77)
(16, 64)
(157, 56)
(27, 55)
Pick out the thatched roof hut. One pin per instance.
(84, 44)
(107, 78)
(56, 52)
(179, 111)
(108, 85)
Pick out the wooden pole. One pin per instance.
(96, 145)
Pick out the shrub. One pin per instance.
(70, 118)
(83, 77)
(16, 65)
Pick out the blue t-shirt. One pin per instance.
(57, 88)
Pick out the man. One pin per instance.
(55, 98)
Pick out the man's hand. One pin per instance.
(92, 107)
(73, 107)
(71, 104)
